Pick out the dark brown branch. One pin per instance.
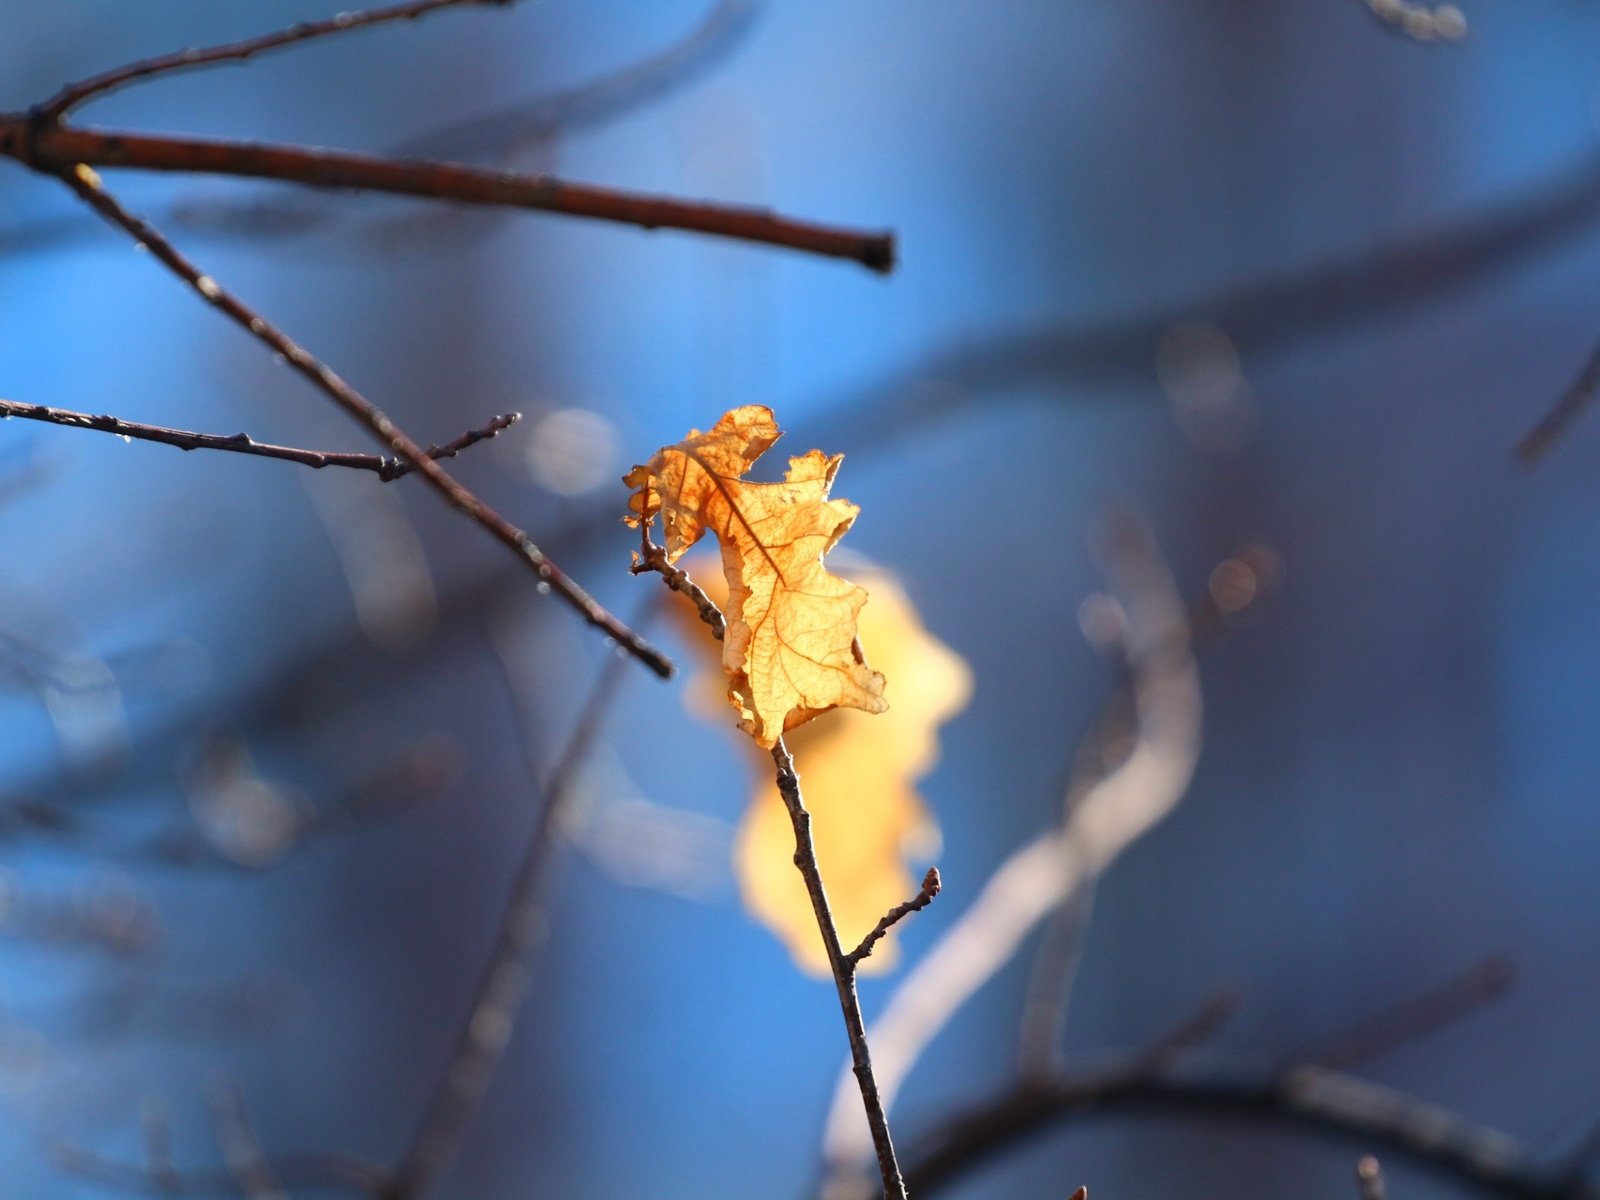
(844, 972)
(75, 94)
(58, 149)
(1328, 1103)
(1558, 422)
(87, 185)
(386, 468)
(484, 1034)
(931, 886)
(652, 557)
(842, 965)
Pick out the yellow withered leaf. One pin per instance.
(790, 651)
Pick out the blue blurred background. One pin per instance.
(1389, 249)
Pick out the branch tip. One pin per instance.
(932, 885)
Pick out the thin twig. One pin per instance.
(74, 94)
(1251, 569)
(1163, 1053)
(842, 965)
(1120, 807)
(38, 139)
(1330, 1103)
(385, 467)
(1054, 977)
(499, 135)
(485, 1031)
(1558, 422)
(653, 557)
(502, 133)
(844, 973)
(931, 886)
(1413, 1017)
(55, 149)
(87, 185)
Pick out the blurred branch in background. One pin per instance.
(1102, 820)
(1304, 1091)
(1330, 1103)
(516, 135)
(1270, 316)
(1440, 23)
(1558, 422)
(485, 1029)
(484, 1032)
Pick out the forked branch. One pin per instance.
(87, 185)
(74, 94)
(385, 467)
(39, 140)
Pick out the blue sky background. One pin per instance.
(1401, 772)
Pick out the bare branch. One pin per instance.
(502, 133)
(58, 149)
(652, 557)
(931, 887)
(1558, 422)
(1164, 1052)
(74, 94)
(1414, 1017)
(842, 965)
(500, 136)
(241, 1149)
(486, 1029)
(844, 974)
(1118, 809)
(384, 467)
(87, 185)
(1329, 1103)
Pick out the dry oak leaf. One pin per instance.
(790, 651)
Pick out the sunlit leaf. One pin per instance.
(791, 650)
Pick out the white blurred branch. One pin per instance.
(1109, 816)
